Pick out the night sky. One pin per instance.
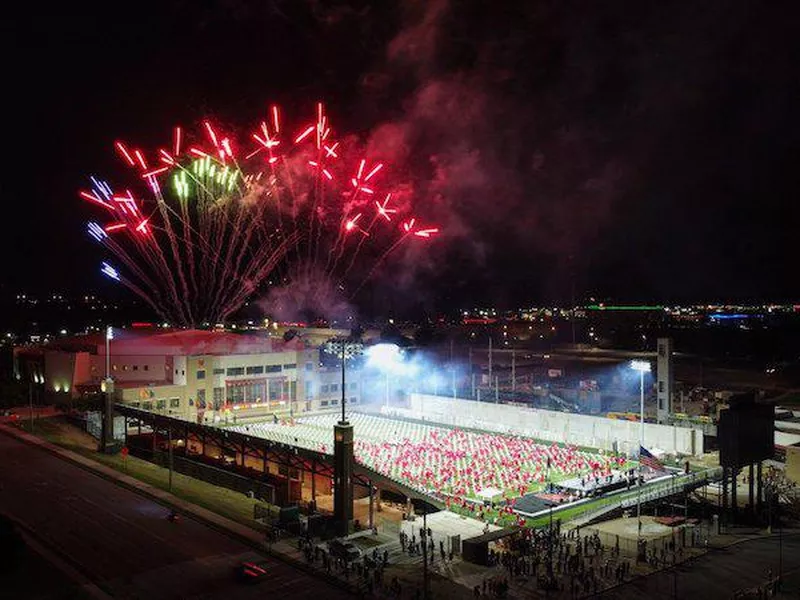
(640, 151)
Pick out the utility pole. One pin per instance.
(169, 439)
(490, 359)
(572, 316)
(513, 371)
(30, 403)
(424, 540)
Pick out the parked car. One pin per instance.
(344, 550)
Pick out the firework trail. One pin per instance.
(212, 220)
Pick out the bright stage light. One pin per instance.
(385, 357)
(642, 366)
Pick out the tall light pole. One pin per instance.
(490, 360)
(643, 367)
(30, 402)
(343, 348)
(107, 435)
(513, 371)
(109, 337)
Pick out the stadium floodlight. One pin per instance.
(387, 358)
(344, 348)
(109, 337)
(643, 367)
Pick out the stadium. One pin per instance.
(460, 468)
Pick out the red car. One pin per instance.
(252, 571)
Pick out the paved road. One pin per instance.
(123, 543)
(720, 573)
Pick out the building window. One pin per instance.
(334, 387)
(352, 400)
(161, 404)
(309, 366)
(255, 370)
(236, 394)
(219, 398)
(183, 372)
(275, 389)
(273, 369)
(235, 371)
(135, 367)
(290, 366)
(147, 405)
(660, 386)
(201, 374)
(146, 367)
(352, 386)
(324, 389)
(662, 351)
(219, 371)
(323, 403)
(334, 402)
(174, 402)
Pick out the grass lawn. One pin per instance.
(234, 505)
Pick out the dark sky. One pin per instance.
(635, 150)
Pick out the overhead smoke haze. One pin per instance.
(308, 294)
(488, 163)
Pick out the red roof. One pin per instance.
(176, 342)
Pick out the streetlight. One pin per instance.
(643, 367)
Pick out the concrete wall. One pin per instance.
(137, 368)
(793, 463)
(583, 430)
(59, 368)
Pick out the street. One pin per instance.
(720, 573)
(122, 542)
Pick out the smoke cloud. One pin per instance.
(308, 295)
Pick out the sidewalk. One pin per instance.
(281, 550)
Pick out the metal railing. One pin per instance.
(627, 499)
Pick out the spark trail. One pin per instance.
(206, 221)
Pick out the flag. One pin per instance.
(648, 460)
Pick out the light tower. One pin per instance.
(107, 442)
(664, 378)
(343, 348)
